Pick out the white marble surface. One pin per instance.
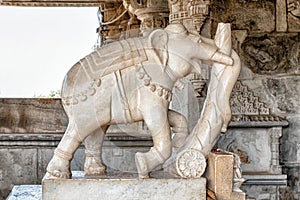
(81, 187)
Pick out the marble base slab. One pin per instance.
(108, 188)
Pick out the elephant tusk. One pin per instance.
(222, 58)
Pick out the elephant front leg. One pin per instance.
(157, 122)
(93, 153)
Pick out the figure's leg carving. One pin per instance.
(158, 125)
(143, 161)
(179, 128)
(93, 153)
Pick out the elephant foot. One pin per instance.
(94, 166)
(141, 165)
(58, 168)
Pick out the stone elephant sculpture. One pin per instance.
(124, 82)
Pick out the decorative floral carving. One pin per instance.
(190, 163)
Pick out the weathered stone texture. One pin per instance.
(252, 145)
(24, 157)
(272, 54)
(281, 94)
(281, 21)
(17, 166)
(263, 192)
(291, 143)
(254, 16)
(32, 116)
(284, 93)
(293, 15)
(293, 189)
(26, 192)
(220, 176)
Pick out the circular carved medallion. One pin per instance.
(190, 163)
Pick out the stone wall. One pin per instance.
(30, 130)
(266, 36)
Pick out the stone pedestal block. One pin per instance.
(220, 174)
(80, 187)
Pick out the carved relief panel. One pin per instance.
(293, 15)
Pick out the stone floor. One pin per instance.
(26, 192)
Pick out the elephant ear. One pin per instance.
(158, 40)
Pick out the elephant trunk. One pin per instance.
(216, 112)
(222, 58)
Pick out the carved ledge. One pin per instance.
(246, 107)
(56, 3)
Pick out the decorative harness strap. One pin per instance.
(122, 95)
(157, 89)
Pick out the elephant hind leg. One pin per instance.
(93, 153)
(59, 166)
(158, 124)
